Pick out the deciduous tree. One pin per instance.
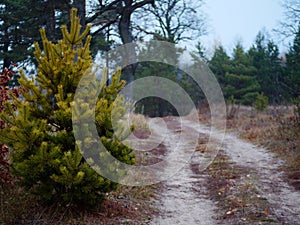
(175, 20)
(291, 20)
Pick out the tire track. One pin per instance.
(269, 180)
(183, 199)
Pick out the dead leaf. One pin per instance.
(266, 212)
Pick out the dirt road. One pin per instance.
(183, 198)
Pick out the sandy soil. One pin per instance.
(184, 198)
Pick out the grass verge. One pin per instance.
(278, 130)
(127, 205)
(232, 189)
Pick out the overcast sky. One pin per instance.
(240, 20)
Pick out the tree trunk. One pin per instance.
(6, 63)
(126, 37)
(6, 60)
(81, 8)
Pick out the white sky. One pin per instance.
(240, 20)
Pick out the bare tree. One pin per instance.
(175, 20)
(19, 22)
(289, 26)
(117, 12)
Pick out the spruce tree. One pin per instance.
(241, 82)
(244, 89)
(264, 55)
(156, 106)
(40, 133)
(220, 64)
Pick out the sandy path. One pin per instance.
(264, 167)
(184, 199)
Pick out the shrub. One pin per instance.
(261, 102)
(232, 109)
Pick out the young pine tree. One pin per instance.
(40, 133)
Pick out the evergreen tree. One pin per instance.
(220, 64)
(265, 58)
(236, 75)
(240, 80)
(200, 52)
(261, 102)
(45, 154)
(19, 21)
(20, 18)
(241, 63)
(293, 67)
(244, 89)
(154, 106)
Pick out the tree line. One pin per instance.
(243, 75)
(260, 70)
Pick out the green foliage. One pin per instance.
(243, 88)
(236, 75)
(258, 70)
(19, 21)
(200, 52)
(40, 134)
(293, 67)
(155, 106)
(261, 102)
(220, 65)
(264, 55)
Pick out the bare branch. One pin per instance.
(291, 21)
(155, 35)
(141, 4)
(177, 20)
(104, 8)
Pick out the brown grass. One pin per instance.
(277, 129)
(233, 191)
(128, 205)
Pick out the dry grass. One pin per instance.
(233, 191)
(140, 122)
(128, 205)
(277, 129)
